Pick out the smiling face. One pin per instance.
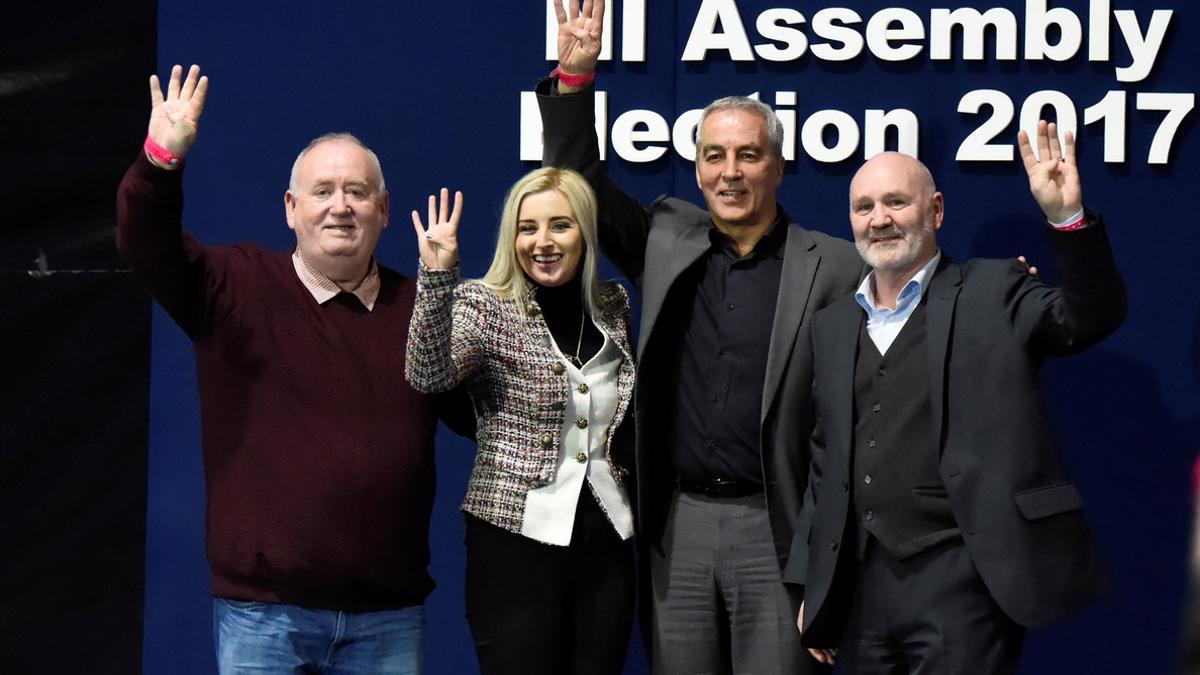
(549, 241)
(337, 209)
(895, 213)
(737, 170)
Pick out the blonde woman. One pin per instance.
(544, 349)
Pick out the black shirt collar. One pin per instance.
(770, 244)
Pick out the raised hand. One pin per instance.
(173, 120)
(1053, 174)
(579, 35)
(438, 243)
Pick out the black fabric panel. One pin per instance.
(75, 339)
(73, 448)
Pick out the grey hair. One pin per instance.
(336, 136)
(774, 126)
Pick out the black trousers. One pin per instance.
(926, 614)
(536, 608)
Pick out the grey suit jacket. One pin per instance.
(989, 326)
(652, 247)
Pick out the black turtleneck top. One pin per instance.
(565, 313)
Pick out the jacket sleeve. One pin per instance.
(569, 130)
(1087, 307)
(445, 338)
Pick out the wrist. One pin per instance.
(1075, 221)
(573, 81)
(160, 156)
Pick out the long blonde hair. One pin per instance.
(505, 277)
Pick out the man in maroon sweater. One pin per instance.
(318, 455)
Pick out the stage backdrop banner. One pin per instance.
(443, 93)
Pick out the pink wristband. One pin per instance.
(160, 153)
(1078, 224)
(577, 81)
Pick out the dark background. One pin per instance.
(103, 507)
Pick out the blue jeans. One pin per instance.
(270, 638)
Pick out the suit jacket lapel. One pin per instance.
(691, 243)
(840, 348)
(795, 288)
(939, 316)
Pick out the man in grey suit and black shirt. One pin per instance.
(724, 369)
(943, 520)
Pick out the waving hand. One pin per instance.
(438, 243)
(173, 120)
(579, 35)
(1053, 174)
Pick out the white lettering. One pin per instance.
(1038, 19)
(812, 136)
(704, 37)
(908, 132)
(1110, 109)
(828, 23)
(683, 134)
(880, 34)
(1144, 50)
(626, 134)
(776, 24)
(530, 142)
(974, 25)
(1098, 30)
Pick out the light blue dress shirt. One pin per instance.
(883, 324)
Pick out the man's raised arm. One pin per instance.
(1091, 301)
(567, 102)
(150, 198)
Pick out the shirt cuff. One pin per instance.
(1075, 222)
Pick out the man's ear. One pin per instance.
(289, 209)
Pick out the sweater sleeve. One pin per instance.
(151, 239)
(445, 342)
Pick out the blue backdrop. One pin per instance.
(436, 88)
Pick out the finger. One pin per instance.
(443, 212)
(416, 218)
(586, 10)
(156, 95)
(559, 12)
(1026, 149)
(457, 212)
(189, 83)
(173, 85)
(1043, 140)
(1069, 149)
(1052, 139)
(432, 211)
(571, 11)
(200, 96)
(598, 12)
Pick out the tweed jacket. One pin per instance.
(517, 381)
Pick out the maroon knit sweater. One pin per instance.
(318, 456)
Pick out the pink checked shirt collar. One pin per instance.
(323, 289)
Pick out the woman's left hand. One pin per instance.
(438, 243)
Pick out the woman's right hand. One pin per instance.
(438, 243)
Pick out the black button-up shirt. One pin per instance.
(721, 357)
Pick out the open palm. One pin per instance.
(175, 117)
(438, 244)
